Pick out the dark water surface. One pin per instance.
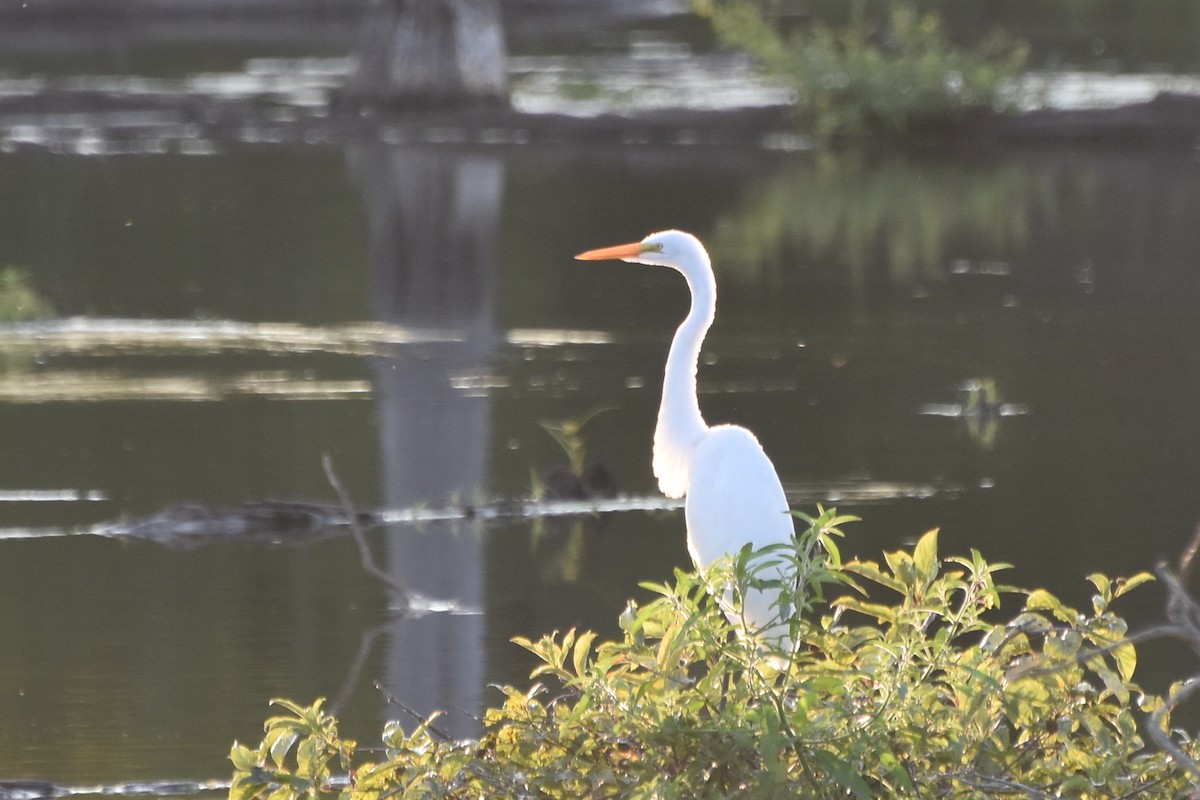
(863, 303)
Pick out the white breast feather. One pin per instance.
(671, 465)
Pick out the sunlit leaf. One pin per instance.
(925, 556)
(1102, 584)
(279, 742)
(242, 757)
(1042, 600)
(871, 571)
(306, 756)
(901, 565)
(846, 775)
(1127, 584)
(1125, 656)
(582, 652)
(876, 610)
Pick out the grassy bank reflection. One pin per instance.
(848, 213)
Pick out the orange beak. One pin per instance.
(631, 250)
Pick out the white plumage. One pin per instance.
(733, 494)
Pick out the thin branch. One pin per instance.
(1183, 615)
(1162, 737)
(1035, 668)
(996, 783)
(498, 781)
(1182, 610)
(1140, 790)
(421, 718)
(1189, 554)
(364, 550)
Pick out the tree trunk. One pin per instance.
(431, 53)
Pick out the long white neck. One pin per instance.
(679, 421)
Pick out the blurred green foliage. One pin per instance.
(845, 209)
(903, 686)
(19, 300)
(880, 68)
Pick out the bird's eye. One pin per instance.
(658, 247)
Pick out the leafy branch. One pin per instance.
(904, 686)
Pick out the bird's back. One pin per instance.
(734, 496)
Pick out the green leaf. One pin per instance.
(1042, 600)
(925, 557)
(871, 571)
(1102, 584)
(242, 757)
(1112, 682)
(1126, 584)
(279, 742)
(831, 549)
(899, 774)
(1028, 700)
(901, 565)
(242, 789)
(1125, 656)
(306, 757)
(877, 610)
(293, 706)
(583, 647)
(845, 774)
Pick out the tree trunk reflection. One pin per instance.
(432, 217)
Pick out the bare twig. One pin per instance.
(997, 783)
(1140, 790)
(421, 718)
(1182, 611)
(1189, 555)
(1162, 737)
(364, 550)
(1184, 616)
(497, 781)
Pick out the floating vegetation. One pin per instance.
(52, 496)
(200, 524)
(654, 74)
(105, 386)
(556, 337)
(981, 410)
(91, 336)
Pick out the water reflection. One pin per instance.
(108, 337)
(849, 212)
(103, 386)
(981, 409)
(432, 217)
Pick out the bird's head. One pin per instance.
(666, 248)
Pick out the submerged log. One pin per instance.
(430, 53)
(274, 521)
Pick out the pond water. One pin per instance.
(223, 320)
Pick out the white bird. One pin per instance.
(733, 493)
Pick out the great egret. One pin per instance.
(733, 493)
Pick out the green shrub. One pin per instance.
(872, 72)
(901, 687)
